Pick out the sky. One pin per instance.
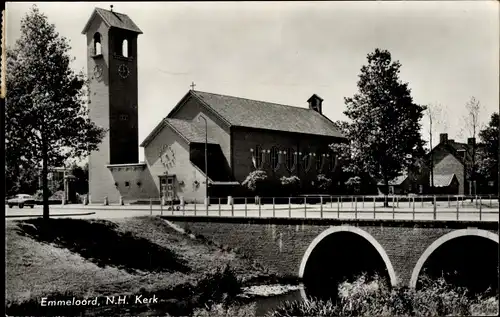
(284, 52)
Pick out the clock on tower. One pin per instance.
(112, 70)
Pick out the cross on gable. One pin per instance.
(192, 85)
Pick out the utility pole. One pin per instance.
(206, 157)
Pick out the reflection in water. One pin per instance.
(265, 305)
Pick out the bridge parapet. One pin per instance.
(281, 244)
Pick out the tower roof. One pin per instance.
(113, 19)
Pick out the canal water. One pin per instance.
(269, 297)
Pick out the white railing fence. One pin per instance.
(444, 207)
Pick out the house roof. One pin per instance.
(113, 19)
(266, 115)
(248, 113)
(442, 180)
(396, 181)
(189, 131)
(457, 148)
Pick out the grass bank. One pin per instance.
(65, 258)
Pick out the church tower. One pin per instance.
(112, 72)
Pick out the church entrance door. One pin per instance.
(167, 187)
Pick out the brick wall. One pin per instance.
(246, 139)
(280, 244)
(123, 96)
(101, 182)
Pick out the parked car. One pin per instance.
(21, 200)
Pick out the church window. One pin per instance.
(306, 160)
(290, 159)
(127, 184)
(125, 48)
(275, 156)
(258, 156)
(319, 161)
(97, 44)
(333, 161)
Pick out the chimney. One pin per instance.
(443, 138)
(315, 103)
(471, 141)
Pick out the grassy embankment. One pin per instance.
(63, 258)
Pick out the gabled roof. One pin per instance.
(442, 180)
(186, 129)
(396, 181)
(113, 19)
(457, 150)
(266, 115)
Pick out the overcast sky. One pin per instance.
(284, 52)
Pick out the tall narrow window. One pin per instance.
(333, 161)
(275, 158)
(306, 160)
(97, 44)
(125, 48)
(319, 162)
(258, 156)
(290, 159)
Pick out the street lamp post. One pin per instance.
(206, 157)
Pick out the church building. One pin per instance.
(239, 135)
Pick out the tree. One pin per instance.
(347, 152)
(487, 160)
(385, 128)
(471, 127)
(46, 114)
(434, 114)
(82, 178)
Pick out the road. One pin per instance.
(330, 211)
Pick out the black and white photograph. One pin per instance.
(248, 159)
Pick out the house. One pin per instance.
(453, 159)
(445, 184)
(239, 135)
(400, 185)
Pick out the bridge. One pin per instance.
(326, 242)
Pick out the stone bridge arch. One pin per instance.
(445, 238)
(355, 230)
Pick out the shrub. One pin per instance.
(353, 184)
(256, 181)
(219, 310)
(324, 183)
(373, 297)
(38, 195)
(219, 286)
(58, 195)
(309, 308)
(80, 198)
(290, 184)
